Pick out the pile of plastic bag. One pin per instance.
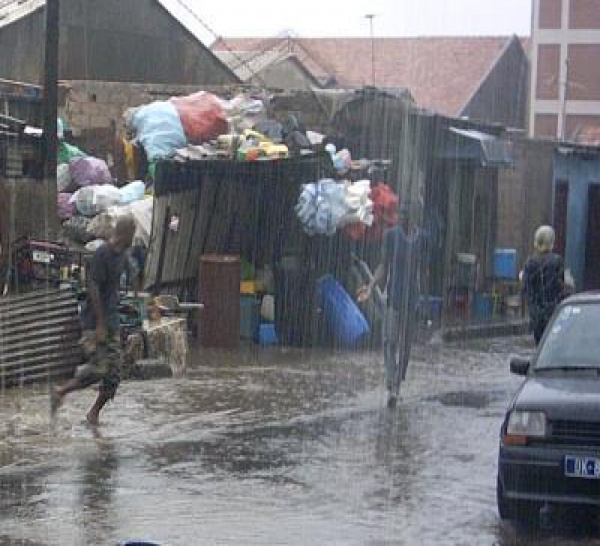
(163, 127)
(385, 205)
(203, 125)
(89, 203)
(326, 206)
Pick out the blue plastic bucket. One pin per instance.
(505, 263)
(483, 306)
(341, 313)
(249, 316)
(266, 334)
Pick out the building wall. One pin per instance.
(525, 195)
(502, 96)
(565, 90)
(580, 171)
(112, 40)
(94, 111)
(22, 47)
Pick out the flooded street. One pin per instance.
(275, 447)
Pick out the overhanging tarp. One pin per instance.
(472, 145)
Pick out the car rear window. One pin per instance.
(573, 339)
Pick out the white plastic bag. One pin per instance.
(94, 245)
(92, 200)
(103, 225)
(64, 182)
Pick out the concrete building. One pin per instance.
(565, 90)
(576, 182)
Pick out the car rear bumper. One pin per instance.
(532, 473)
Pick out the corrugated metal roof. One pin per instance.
(39, 336)
(245, 64)
(13, 10)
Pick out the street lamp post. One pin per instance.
(370, 17)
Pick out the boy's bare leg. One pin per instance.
(94, 413)
(58, 393)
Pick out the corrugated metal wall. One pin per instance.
(39, 336)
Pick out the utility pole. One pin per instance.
(50, 106)
(567, 83)
(370, 17)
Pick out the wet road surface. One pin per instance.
(272, 447)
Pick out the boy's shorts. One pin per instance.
(103, 363)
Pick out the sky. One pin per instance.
(314, 18)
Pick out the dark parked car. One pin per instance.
(550, 439)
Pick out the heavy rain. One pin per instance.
(299, 289)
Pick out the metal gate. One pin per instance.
(39, 336)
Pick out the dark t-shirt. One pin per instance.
(404, 254)
(543, 282)
(105, 272)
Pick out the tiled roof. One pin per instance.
(588, 134)
(442, 73)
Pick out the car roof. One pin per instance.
(583, 297)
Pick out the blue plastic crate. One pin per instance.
(505, 263)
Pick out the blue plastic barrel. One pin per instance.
(341, 313)
(505, 263)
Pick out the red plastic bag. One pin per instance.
(385, 211)
(202, 117)
(385, 215)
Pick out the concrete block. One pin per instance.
(77, 94)
(99, 121)
(77, 122)
(150, 368)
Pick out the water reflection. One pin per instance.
(95, 473)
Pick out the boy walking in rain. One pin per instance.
(100, 319)
(398, 271)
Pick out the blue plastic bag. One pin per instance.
(134, 191)
(158, 129)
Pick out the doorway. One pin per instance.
(591, 273)
(561, 199)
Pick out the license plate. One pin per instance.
(582, 467)
(41, 256)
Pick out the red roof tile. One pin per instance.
(441, 73)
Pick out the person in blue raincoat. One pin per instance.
(398, 270)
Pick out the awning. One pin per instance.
(471, 145)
